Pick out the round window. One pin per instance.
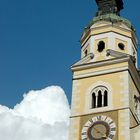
(101, 46)
(121, 46)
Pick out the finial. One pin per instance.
(109, 7)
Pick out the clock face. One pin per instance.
(99, 128)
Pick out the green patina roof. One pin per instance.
(112, 18)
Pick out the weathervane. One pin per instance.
(109, 7)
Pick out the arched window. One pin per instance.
(93, 100)
(137, 106)
(105, 98)
(100, 97)
(121, 46)
(101, 46)
(86, 52)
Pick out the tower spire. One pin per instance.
(106, 89)
(109, 7)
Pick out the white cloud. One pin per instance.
(42, 115)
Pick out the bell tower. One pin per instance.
(106, 80)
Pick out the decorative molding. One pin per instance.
(84, 60)
(102, 72)
(119, 54)
(101, 63)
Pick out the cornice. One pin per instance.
(100, 63)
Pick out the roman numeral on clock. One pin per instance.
(99, 118)
(84, 133)
(85, 139)
(113, 129)
(91, 120)
(111, 136)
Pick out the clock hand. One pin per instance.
(98, 130)
(103, 135)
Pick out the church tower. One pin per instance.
(106, 81)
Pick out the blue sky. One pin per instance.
(39, 41)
